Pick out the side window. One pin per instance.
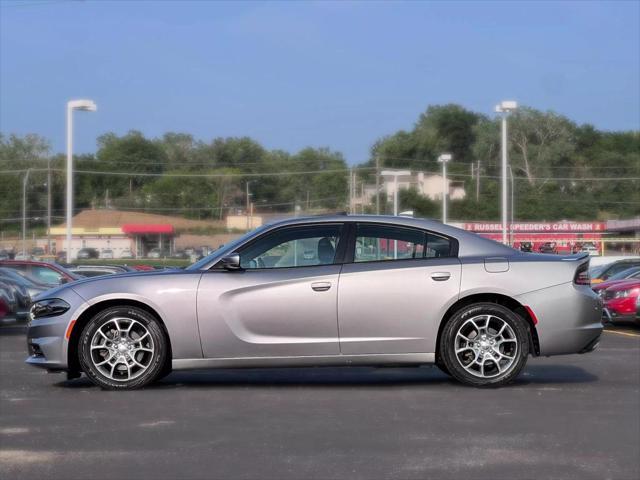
(45, 275)
(376, 243)
(293, 247)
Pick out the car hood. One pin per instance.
(55, 291)
(624, 285)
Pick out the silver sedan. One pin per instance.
(318, 291)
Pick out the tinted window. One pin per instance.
(382, 242)
(293, 247)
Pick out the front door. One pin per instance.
(281, 303)
(397, 289)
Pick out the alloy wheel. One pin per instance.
(486, 346)
(122, 349)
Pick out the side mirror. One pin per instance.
(231, 262)
(63, 280)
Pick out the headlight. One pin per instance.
(48, 308)
(625, 293)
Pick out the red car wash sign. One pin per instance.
(537, 227)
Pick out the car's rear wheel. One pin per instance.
(123, 348)
(485, 344)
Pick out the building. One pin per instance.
(427, 185)
(119, 231)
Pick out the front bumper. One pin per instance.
(47, 344)
(569, 318)
(611, 316)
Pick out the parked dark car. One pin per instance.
(32, 287)
(612, 269)
(7, 301)
(526, 247)
(50, 274)
(22, 299)
(86, 253)
(180, 254)
(548, 247)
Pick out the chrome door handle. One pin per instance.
(440, 276)
(321, 286)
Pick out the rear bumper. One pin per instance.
(613, 316)
(569, 318)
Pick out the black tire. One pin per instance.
(443, 368)
(154, 362)
(518, 342)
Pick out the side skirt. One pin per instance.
(305, 361)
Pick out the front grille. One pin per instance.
(35, 351)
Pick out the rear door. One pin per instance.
(396, 290)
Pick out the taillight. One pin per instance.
(582, 275)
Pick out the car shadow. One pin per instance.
(344, 377)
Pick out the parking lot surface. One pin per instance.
(565, 417)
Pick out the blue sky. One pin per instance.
(297, 74)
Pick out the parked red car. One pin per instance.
(50, 274)
(622, 301)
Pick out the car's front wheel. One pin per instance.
(123, 348)
(485, 344)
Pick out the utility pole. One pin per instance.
(478, 182)
(49, 205)
(505, 108)
(24, 211)
(377, 184)
(351, 190)
(247, 208)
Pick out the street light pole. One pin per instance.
(512, 206)
(505, 108)
(443, 159)
(82, 105)
(24, 211)
(48, 205)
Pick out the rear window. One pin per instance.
(376, 243)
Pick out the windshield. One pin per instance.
(17, 277)
(228, 248)
(629, 272)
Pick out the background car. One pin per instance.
(7, 301)
(526, 247)
(623, 276)
(107, 253)
(32, 287)
(158, 253)
(607, 271)
(50, 274)
(621, 302)
(590, 248)
(5, 255)
(126, 254)
(22, 255)
(180, 254)
(86, 253)
(17, 288)
(548, 247)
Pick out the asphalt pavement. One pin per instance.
(576, 417)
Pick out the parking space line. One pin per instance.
(623, 333)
